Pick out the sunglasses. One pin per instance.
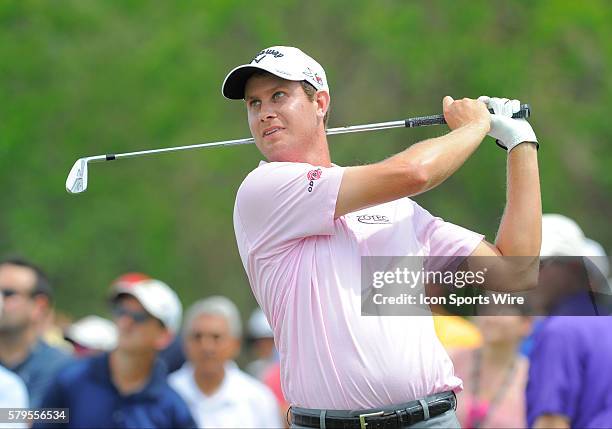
(136, 316)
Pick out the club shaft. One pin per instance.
(418, 121)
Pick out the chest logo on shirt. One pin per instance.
(373, 219)
(312, 176)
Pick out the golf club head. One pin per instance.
(77, 178)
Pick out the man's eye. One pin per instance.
(254, 103)
(278, 95)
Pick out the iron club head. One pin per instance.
(77, 178)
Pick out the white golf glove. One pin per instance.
(507, 131)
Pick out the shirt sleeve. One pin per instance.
(283, 201)
(446, 244)
(555, 379)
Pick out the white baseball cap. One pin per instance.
(259, 326)
(93, 332)
(157, 299)
(561, 236)
(283, 61)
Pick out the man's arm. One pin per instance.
(517, 246)
(551, 421)
(422, 166)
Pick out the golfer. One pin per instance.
(303, 224)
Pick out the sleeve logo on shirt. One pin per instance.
(312, 176)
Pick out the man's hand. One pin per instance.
(507, 131)
(459, 113)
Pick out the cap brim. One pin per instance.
(119, 291)
(234, 83)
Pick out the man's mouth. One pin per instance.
(272, 130)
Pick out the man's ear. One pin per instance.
(42, 307)
(322, 99)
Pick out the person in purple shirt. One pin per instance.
(569, 376)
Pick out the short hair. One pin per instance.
(311, 92)
(308, 88)
(42, 285)
(217, 306)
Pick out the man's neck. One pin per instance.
(319, 153)
(15, 347)
(314, 152)
(209, 382)
(131, 371)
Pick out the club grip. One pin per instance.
(424, 121)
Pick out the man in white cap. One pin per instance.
(127, 387)
(303, 224)
(218, 393)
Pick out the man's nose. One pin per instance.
(267, 112)
(124, 321)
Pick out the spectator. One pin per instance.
(92, 335)
(27, 298)
(569, 377)
(261, 343)
(172, 356)
(495, 374)
(127, 387)
(13, 393)
(218, 393)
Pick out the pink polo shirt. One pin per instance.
(304, 269)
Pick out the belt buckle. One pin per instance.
(362, 418)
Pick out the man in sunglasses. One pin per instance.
(27, 300)
(127, 387)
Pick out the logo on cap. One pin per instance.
(313, 75)
(260, 56)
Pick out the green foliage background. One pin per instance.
(87, 77)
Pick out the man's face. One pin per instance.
(558, 279)
(209, 344)
(21, 307)
(281, 118)
(138, 330)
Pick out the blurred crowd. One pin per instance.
(154, 365)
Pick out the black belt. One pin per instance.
(384, 418)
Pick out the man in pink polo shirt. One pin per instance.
(303, 225)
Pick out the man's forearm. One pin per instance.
(520, 231)
(440, 157)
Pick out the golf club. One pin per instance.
(76, 182)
